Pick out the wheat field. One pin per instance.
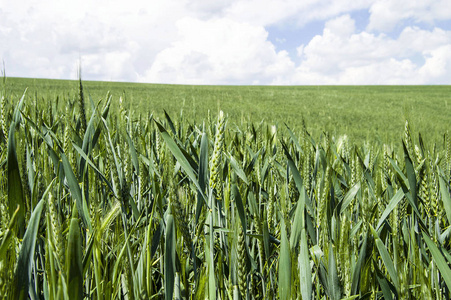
(101, 203)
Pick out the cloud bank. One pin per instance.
(228, 42)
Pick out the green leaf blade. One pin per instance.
(284, 265)
(22, 275)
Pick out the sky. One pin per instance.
(229, 42)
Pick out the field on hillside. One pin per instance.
(375, 113)
(100, 199)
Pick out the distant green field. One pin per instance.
(375, 113)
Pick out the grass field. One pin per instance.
(375, 113)
(95, 205)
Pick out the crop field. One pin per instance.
(373, 113)
(234, 193)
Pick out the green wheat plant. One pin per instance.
(99, 200)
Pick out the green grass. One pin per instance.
(374, 113)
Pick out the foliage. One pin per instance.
(191, 208)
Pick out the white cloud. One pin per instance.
(385, 72)
(339, 47)
(269, 12)
(225, 41)
(438, 65)
(342, 56)
(343, 26)
(50, 34)
(219, 51)
(423, 41)
(386, 14)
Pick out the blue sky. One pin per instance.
(274, 42)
